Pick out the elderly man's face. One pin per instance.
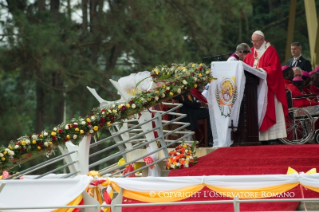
(257, 41)
(297, 73)
(295, 51)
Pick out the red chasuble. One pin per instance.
(270, 62)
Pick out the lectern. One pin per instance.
(237, 103)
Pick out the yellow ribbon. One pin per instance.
(293, 171)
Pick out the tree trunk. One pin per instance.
(39, 121)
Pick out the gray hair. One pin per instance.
(242, 47)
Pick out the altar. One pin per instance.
(237, 103)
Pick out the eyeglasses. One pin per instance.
(255, 41)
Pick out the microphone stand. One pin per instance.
(219, 56)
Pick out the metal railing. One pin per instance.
(80, 159)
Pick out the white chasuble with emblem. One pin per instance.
(224, 99)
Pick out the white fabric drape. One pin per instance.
(224, 97)
(235, 182)
(42, 192)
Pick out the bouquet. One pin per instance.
(182, 157)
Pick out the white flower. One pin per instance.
(83, 122)
(6, 149)
(91, 131)
(167, 88)
(113, 105)
(179, 90)
(172, 166)
(163, 95)
(75, 136)
(184, 82)
(11, 153)
(178, 164)
(186, 151)
(34, 137)
(75, 123)
(207, 72)
(103, 112)
(109, 111)
(177, 153)
(156, 98)
(133, 106)
(45, 133)
(1, 155)
(92, 118)
(46, 144)
(186, 165)
(16, 146)
(27, 141)
(195, 79)
(54, 129)
(66, 127)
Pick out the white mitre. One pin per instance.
(258, 32)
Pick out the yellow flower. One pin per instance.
(176, 76)
(164, 85)
(5, 152)
(50, 143)
(156, 91)
(193, 65)
(190, 151)
(119, 106)
(23, 143)
(77, 129)
(3, 158)
(108, 123)
(178, 67)
(88, 120)
(183, 68)
(208, 71)
(81, 131)
(53, 133)
(128, 105)
(41, 136)
(114, 111)
(156, 72)
(184, 145)
(199, 74)
(168, 73)
(195, 85)
(34, 141)
(201, 64)
(68, 136)
(10, 147)
(95, 128)
(174, 163)
(171, 93)
(182, 86)
(39, 147)
(149, 99)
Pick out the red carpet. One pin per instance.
(251, 160)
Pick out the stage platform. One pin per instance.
(248, 160)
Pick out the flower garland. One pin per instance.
(171, 80)
(182, 157)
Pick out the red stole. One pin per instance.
(270, 62)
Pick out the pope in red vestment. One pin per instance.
(269, 62)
